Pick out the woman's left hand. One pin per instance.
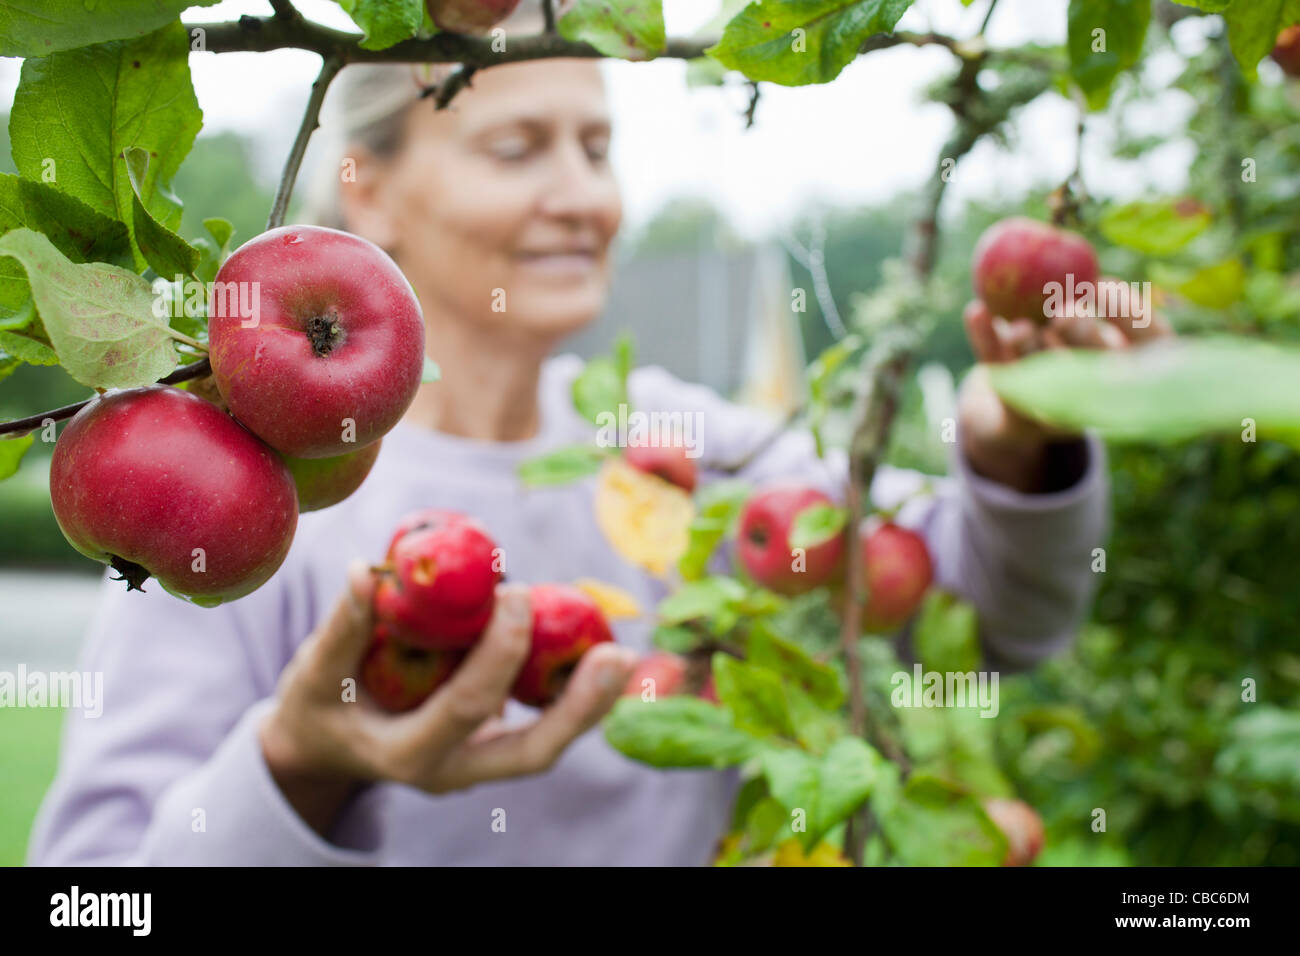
(999, 442)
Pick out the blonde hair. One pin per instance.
(368, 106)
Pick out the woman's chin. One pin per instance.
(553, 313)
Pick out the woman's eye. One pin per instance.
(511, 150)
(598, 151)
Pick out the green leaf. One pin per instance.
(11, 454)
(27, 349)
(827, 789)
(816, 524)
(1157, 228)
(947, 634)
(754, 695)
(1261, 751)
(42, 27)
(431, 371)
(821, 682)
(562, 465)
(213, 252)
(1097, 58)
(929, 822)
(716, 507)
(99, 317)
(385, 22)
(167, 253)
(599, 390)
(706, 598)
(1162, 392)
(797, 42)
(76, 113)
(633, 31)
(1253, 26)
(1217, 286)
(678, 732)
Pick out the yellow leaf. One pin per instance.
(614, 602)
(644, 518)
(790, 853)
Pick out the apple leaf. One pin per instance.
(11, 454)
(817, 524)
(820, 681)
(678, 731)
(76, 113)
(1158, 228)
(167, 253)
(562, 465)
(1216, 286)
(946, 637)
(709, 598)
(755, 695)
(797, 42)
(1253, 26)
(930, 822)
(28, 349)
(828, 788)
(644, 518)
(99, 317)
(385, 22)
(1105, 38)
(1165, 392)
(717, 506)
(632, 31)
(213, 251)
(431, 372)
(42, 27)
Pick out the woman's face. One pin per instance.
(502, 208)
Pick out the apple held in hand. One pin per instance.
(764, 546)
(1017, 261)
(1021, 825)
(668, 462)
(440, 591)
(1287, 51)
(322, 482)
(156, 482)
(317, 340)
(566, 624)
(656, 675)
(469, 16)
(398, 676)
(898, 571)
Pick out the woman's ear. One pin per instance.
(363, 199)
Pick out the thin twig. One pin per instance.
(21, 426)
(993, 5)
(752, 110)
(813, 258)
(443, 93)
(329, 68)
(548, 15)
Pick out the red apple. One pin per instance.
(398, 676)
(316, 340)
(156, 482)
(898, 572)
(1287, 51)
(469, 16)
(669, 462)
(1017, 260)
(441, 588)
(322, 482)
(764, 542)
(1022, 827)
(566, 624)
(656, 675)
(709, 691)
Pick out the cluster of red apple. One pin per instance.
(319, 358)
(433, 601)
(1287, 51)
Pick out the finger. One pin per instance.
(341, 641)
(1078, 328)
(595, 685)
(1022, 337)
(1052, 339)
(480, 686)
(979, 330)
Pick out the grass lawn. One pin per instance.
(29, 751)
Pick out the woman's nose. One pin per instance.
(578, 185)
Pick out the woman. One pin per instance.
(223, 739)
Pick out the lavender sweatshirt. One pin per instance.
(172, 773)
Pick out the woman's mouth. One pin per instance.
(571, 263)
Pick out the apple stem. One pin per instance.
(329, 68)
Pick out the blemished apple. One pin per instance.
(400, 677)
(156, 482)
(469, 16)
(323, 482)
(316, 340)
(1017, 260)
(668, 462)
(1287, 51)
(763, 545)
(566, 624)
(898, 569)
(656, 675)
(1021, 825)
(440, 587)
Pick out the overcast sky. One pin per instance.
(864, 137)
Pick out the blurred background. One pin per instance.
(722, 222)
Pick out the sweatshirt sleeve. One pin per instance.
(1023, 560)
(171, 771)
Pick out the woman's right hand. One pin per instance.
(320, 748)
